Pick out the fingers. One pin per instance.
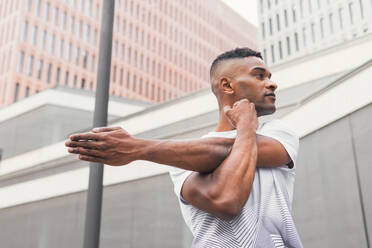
(91, 159)
(85, 136)
(105, 129)
(84, 151)
(91, 144)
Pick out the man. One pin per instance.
(235, 185)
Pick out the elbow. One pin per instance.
(227, 207)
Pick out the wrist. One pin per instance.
(142, 147)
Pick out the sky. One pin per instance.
(246, 8)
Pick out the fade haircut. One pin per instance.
(233, 54)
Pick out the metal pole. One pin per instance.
(94, 198)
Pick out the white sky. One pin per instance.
(246, 8)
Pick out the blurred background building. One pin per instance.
(294, 28)
(161, 49)
(323, 95)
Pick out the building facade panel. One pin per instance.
(327, 207)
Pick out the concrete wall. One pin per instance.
(332, 200)
(142, 213)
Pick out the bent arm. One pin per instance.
(224, 192)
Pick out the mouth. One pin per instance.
(272, 95)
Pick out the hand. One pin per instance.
(242, 115)
(108, 145)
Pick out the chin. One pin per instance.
(266, 110)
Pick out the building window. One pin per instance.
(37, 8)
(49, 75)
(313, 32)
(27, 91)
(278, 21)
(122, 54)
(271, 26)
(322, 28)
(61, 46)
(331, 23)
(30, 65)
(72, 25)
(263, 30)
(55, 16)
(83, 83)
(80, 29)
(93, 63)
(318, 4)
(40, 69)
(15, 98)
(272, 54)
(46, 15)
(66, 77)
(24, 33)
(261, 6)
(302, 8)
(43, 42)
(77, 55)
(280, 50)
(288, 46)
(64, 20)
(58, 75)
(20, 61)
(265, 55)
(340, 15)
(294, 15)
(85, 59)
(114, 74)
(361, 9)
(304, 36)
(121, 76)
(296, 41)
(34, 35)
(286, 18)
(51, 44)
(310, 7)
(75, 80)
(87, 32)
(128, 80)
(351, 13)
(68, 52)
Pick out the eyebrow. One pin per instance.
(262, 69)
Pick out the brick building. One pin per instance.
(161, 49)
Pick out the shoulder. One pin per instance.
(281, 131)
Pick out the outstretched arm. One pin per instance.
(114, 146)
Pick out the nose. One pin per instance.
(271, 85)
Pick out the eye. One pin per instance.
(260, 76)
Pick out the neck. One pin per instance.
(223, 123)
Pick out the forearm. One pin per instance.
(206, 154)
(201, 155)
(232, 180)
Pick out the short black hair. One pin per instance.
(242, 52)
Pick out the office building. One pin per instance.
(292, 29)
(161, 49)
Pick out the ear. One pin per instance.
(225, 85)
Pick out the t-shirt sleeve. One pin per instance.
(279, 131)
(178, 177)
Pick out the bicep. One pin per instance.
(271, 153)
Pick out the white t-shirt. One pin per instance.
(265, 220)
